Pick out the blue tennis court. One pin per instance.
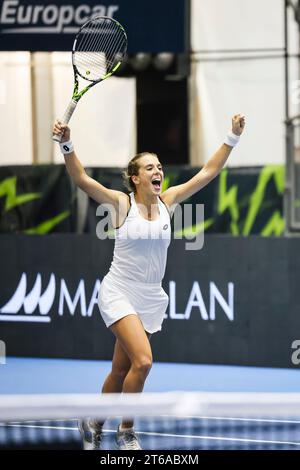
(192, 432)
(28, 375)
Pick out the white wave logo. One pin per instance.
(35, 298)
(53, 18)
(43, 301)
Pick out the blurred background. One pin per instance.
(175, 95)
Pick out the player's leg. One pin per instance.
(131, 335)
(135, 342)
(120, 368)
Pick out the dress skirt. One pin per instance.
(119, 298)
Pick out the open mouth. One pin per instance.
(156, 183)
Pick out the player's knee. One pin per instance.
(143, 365)
(120, 372)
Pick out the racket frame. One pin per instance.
(76, 94)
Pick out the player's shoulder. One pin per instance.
(167, 198)
(124, 200)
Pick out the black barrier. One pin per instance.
(41, 199)
(35, 25)
(236, 301)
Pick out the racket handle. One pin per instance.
(66, 118)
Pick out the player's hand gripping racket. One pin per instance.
(98, 51)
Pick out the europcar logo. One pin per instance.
(19, 18)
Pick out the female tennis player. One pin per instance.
(131, 300)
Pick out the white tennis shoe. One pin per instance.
(127, 439)
(91, 433)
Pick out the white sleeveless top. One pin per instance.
(141, 245)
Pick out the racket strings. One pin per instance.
(94, 36)
(86, 45)
(107, 49)
(110, 47)
(98, 62)
(99, 47)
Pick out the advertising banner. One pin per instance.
(36, 25)
(235, 301)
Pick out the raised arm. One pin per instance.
(210, 170)
(95, 190)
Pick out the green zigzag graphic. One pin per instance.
(48, 225)
(8, 188)
(275, 226)
(271, 171)
(228, 199)
(194, 229)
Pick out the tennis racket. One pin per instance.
(98, 51)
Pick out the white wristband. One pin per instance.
(232, 139)
(66, 147)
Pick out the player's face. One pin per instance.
(151, 174)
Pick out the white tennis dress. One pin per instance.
(133, 283)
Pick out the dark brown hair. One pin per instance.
(133, 170)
